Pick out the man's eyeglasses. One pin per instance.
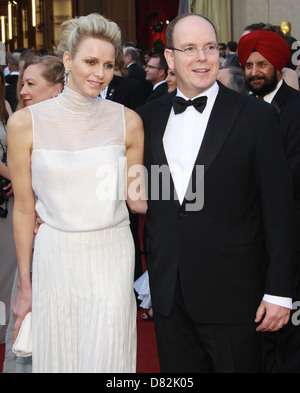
(153, 67)
(192, 50)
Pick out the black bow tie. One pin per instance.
(180, 104)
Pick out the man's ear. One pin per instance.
(169, 55)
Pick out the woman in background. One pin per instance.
(40, 78)
(171, 81)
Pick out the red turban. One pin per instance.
(270, 45)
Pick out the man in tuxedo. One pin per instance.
(13, 66)
(263, 55)
(156, 73)
(135, 71)
(220, 223)
(11, 80)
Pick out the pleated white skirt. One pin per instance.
(84, 308)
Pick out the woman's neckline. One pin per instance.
(72, 101)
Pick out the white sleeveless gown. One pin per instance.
(84, 308)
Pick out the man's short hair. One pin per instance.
(162, 62)
(133, 53)
(171, 26)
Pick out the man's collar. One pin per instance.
(211, 92)
(158, 83)
(269, 97)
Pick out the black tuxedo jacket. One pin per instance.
(287, 103)
(11, 95)
(241, 244)
(161, 90)
(11, 78)
(125, 91)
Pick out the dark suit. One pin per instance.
(11, 78)
(159, 91)
(125, 91)
(241, 244)
(11, 95)
(283, 352)
(137, 72)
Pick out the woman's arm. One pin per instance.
(19, 137)
(136, 190)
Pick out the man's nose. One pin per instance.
(255, 70)
(201, 55)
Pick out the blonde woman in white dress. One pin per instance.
(71, 151)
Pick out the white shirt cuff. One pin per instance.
(279, 301)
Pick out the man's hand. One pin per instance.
(273, 317)
(39, 222)
(9, 189)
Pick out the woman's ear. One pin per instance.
(58, 88)
(67, 60)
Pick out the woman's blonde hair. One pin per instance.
(52, 71)
(94, 25)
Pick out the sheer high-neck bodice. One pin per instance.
(78, 162)
(72, 122)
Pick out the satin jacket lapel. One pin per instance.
(158, 126)
(279, 98)
(220, 125)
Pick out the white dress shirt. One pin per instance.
(269, 97)
(183, 137)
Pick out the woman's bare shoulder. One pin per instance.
(19, 126)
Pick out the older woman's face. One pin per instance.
(35, 88)
(92, 67)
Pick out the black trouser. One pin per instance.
(185, 346)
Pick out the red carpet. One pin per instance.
(2, 351)
(147, 357)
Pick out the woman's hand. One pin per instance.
(21, 306)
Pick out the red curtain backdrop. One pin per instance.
(168, 10)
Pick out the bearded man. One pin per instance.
(263, 54)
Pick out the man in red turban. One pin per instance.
(263, 54)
